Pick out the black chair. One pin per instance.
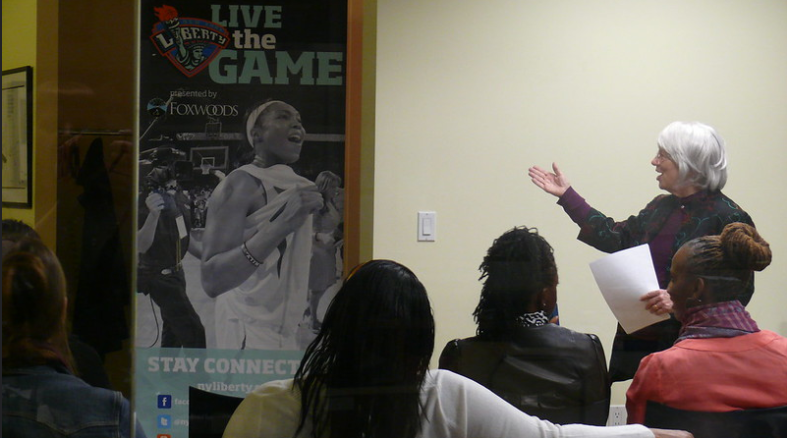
(749, 423)
(209, 413)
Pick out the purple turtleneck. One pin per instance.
(660, 247)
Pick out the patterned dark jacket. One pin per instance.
(707, 213)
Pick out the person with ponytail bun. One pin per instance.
(722, 361)
(41, 394)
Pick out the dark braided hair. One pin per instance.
(518, 265)
(361, 377)
(727, 262)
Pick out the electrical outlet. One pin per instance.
(617, 415)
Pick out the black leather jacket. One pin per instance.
(549, 371)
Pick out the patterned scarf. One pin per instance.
(717, 320)
(536, 319)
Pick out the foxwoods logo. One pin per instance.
(190, 44)
(193, 109)
(158, 107)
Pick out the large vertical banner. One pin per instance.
(241, 172)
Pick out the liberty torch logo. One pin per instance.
(190, 44)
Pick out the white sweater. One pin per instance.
(455, 407)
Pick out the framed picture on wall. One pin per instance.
(18, 137)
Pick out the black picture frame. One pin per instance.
(18, 137)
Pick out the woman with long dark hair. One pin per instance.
(366, 375)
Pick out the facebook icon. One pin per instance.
(165, 401)
(164, 421)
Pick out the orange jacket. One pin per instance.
(715, 375)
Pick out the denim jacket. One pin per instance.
(48, 401)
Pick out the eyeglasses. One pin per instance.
(663, 155)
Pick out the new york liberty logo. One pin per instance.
(190, 44)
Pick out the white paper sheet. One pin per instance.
(623, 277)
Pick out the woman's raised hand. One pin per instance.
(554, 183)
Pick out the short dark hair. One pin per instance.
(370, 357)
(519, 264)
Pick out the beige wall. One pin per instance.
(469, 94)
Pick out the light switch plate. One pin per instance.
(427, 226)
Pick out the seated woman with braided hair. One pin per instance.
(365, 375)
(721, 361)
(543, 369)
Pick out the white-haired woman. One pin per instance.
(692, 165)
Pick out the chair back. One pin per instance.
(748, 423)
(209, 413)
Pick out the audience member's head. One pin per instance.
(714, 269)
(34, 306)
(13, 231)
(520, 277)
(378, 332)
